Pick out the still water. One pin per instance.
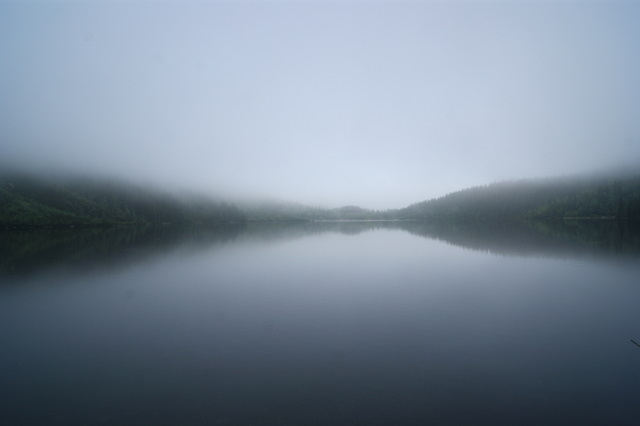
(321, 324)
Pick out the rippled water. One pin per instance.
(344, 323)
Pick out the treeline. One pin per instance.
(291, 212)
(28, 201)
(619, 198)
(551, 198)
(34, 202)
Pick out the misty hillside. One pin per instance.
(551, 198)
(27, 201)
(604, 196)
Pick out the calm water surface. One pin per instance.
(334, 324)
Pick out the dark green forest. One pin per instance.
(28, 201)
(552, 198)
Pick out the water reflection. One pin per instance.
(536, 238)
(320, 323)
(27, 252)
(24, 252)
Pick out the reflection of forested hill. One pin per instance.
(274, 231)
(27, 201)
(27, 251)
(535, 238)
(518, 238)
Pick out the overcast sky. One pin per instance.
(379, 104)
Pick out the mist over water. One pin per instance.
(378, 104)
(344, 323)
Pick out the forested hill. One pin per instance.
(552, 198)
(27, 201)
(603, 196)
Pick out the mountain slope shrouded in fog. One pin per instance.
(551, 198)
(33, 201)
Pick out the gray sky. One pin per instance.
(379, 104)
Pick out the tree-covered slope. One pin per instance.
(27, 201)
(617, 197)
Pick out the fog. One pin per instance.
(379, 104)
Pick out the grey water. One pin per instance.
(321, 323)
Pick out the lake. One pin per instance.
(322, 324)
